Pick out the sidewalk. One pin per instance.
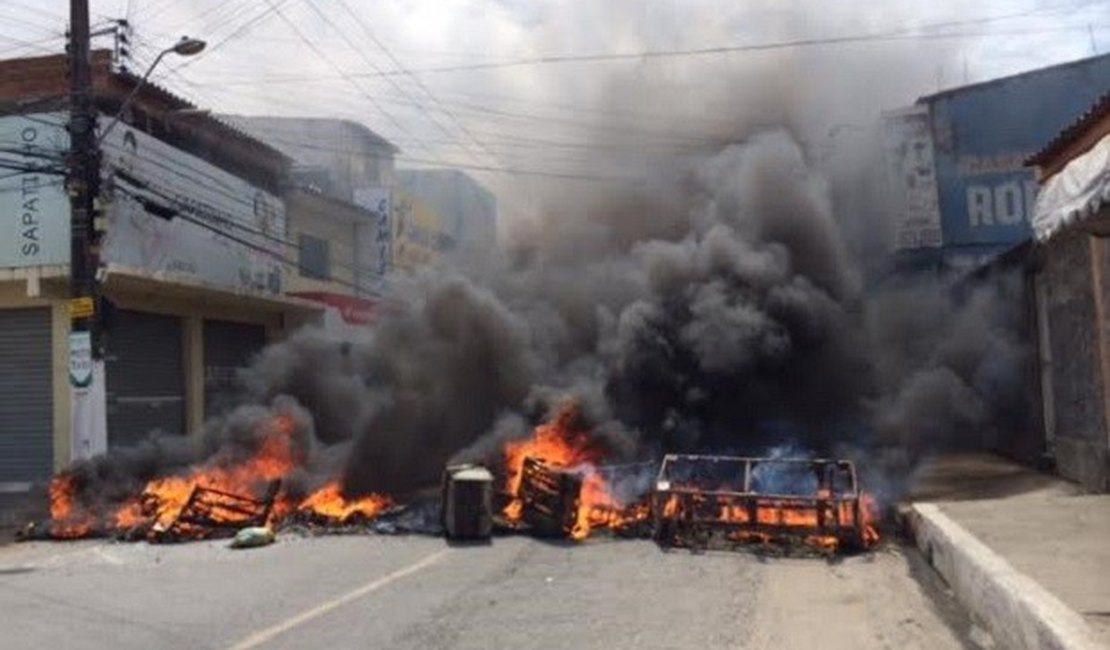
(1042, 527)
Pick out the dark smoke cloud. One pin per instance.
(746, 328)
(717, 302)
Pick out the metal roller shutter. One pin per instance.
(145, 377)
(227, 348)
(26, 396)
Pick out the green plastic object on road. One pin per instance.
(253, 537)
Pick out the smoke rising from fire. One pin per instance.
(716, 301)
(738, 322)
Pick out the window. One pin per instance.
(315, 257)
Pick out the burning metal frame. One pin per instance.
(813, 502)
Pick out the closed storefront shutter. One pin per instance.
(26, 396)
(227, 348)
(145, 377)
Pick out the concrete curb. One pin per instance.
(1017, 611)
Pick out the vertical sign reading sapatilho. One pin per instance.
(376, 249)
(33, 206)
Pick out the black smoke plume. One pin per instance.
(716, 301)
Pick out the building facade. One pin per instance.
(328, 239)
(347, 168)
(337, 158)
(956, 161)
(466, 210)
(1071, 228)
(191, 228)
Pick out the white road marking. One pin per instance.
(267, 634)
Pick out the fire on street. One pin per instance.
(412, 592)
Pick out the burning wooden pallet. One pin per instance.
(556, 501)
(210, 513)
(549, 498)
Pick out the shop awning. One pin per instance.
(1074, 194)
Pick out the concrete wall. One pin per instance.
(338, 224)
(1077, 352)
(350, 155)
(468, 210)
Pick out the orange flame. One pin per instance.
(564, 444)
(67, 519)
(786, 515)
(163, 498)
(329, 502)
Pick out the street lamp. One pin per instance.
(184, 47)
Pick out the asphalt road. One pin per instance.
(419, 593)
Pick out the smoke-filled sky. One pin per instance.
(319, 57)
(698, 285)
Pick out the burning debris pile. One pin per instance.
(714, 311)
(233, 489)
(558, 483)
(813, 503)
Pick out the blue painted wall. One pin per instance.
(982, 135)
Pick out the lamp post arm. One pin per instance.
(131, 96)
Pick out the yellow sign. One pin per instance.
(418, 233)
(82, 307)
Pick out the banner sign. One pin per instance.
(374, 241)
(80, 359)
(34, 208)
(984, 133)
(173, 213)
(908, 148)
(419, 237)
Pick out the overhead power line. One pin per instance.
(200, 217)
(430, 161)
(891, 36)
(399, 88)
(319, 52)
(400, 66)
(272, 8)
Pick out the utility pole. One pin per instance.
(82, 178)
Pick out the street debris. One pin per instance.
(253, 537)
(559, 482)
(467, 502)
(211, 513)
(795, 503)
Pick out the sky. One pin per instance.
(465, 83)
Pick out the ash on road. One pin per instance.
(381, 592)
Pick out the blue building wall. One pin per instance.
(982, 135)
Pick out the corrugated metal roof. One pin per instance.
(181, 103)
(1073, 131)
(55, 65)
